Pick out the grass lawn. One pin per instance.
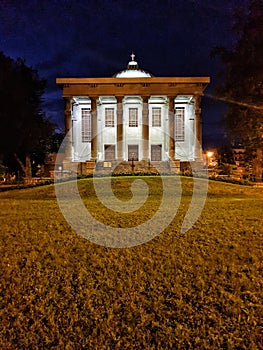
(198, 290)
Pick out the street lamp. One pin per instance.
(209, 155)
(60, 172)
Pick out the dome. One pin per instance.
(133, 71)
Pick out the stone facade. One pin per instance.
(132, 117)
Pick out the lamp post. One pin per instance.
(209, 155)
(132, 159)
(149, 164)
(60, 172)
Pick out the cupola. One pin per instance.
(133, 71)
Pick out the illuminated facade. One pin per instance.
(132, 116)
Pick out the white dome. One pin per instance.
(132, 71)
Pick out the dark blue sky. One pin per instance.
(95, 38)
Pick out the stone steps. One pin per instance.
(127, 167)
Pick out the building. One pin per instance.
(132, 116)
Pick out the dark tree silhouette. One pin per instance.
(243, 83)
(24, 127)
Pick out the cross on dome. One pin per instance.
(132, 70)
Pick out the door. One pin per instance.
(156, 153)
(133, 152)
(109, 152)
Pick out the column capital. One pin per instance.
(171, 103)
(119, 99)
(145, 98)
(67, 103)
(93, 100)
(197, 98)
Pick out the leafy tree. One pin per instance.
(225, 155)
(243, 83)
(2, 170)
(24, 128)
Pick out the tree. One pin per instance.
(24, 127)
(243, 83)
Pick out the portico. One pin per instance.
(133, 115)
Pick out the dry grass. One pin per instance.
(200, 290)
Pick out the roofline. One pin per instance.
(156, 80)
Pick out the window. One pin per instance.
(133, 152)
(86, 125)
(133, 117)
(109, 117)
(109, 152)
(179, 124)
(156, 152)
(156, 116)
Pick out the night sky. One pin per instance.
(95, 39)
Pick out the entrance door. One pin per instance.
(133, 152)
(156, 153)
(109, 152)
